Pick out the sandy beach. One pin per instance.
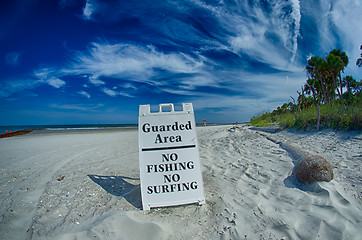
(85, 185)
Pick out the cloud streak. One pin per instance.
(114, 59)
(84, 94)
(55, 82)
(12, 86)
(79, 107)
(136, 64)
(89, 9)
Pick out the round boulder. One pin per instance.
(314, 168)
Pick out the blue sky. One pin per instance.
(93, 61)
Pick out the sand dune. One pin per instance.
(85, 185)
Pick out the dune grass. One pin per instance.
(332, 115)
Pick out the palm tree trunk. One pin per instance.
(341, 96)
(324, 90)
(317, 104)
(318, 117)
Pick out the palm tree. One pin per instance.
(343, 56)
(316, 70)
(352, 85)
(335, 66)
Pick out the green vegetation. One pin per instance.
(322, 102)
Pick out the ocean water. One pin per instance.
(80, 127)
(65, 127)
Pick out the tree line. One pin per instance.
(325, 88)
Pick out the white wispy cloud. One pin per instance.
(84, 93)
(113, 93)
(110, 92)
(128, 85)
(11, 86)
(127, 61)
(89, 8)
(55, 82)
(297, 17)
(121, 93)
(49, 76)
(346, 16)
(270, 36)
(80, 107)
(40, 77)
(96, 81)
(43, 73)
(268, 40)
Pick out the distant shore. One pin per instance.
(66, 129)
(15, 133)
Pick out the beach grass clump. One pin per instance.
(306, 119)
(264, 120)
(286, 119)
(349, 116)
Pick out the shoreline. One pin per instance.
(19, 130)
(78, 130)
(83, 131)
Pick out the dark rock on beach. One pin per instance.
(314, 168)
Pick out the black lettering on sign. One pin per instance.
(167, 139)
(171, 178)
(147, 127)
(175, 187)
(167, 157)
(169, 167)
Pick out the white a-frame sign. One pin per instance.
(169, 157)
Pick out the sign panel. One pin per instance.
(169, 157)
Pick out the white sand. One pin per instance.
(248, 188)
